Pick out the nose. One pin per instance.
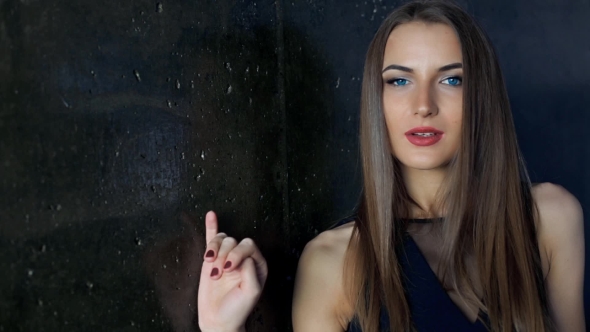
(425, 102)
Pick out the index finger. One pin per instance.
(210, 226)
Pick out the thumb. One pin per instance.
(250, 282)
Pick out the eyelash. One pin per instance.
(393, 80)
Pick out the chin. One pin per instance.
(424, 164)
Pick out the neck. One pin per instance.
(423, 186)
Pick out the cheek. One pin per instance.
(456, 125)
(395, 131)
(393, 114)
(458, 118)
(392, 122)
(452, 112)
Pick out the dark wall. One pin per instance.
(122, 123)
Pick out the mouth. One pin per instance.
(424, 136)
(424, 131)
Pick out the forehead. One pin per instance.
(419, 42)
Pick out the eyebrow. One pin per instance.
(410, 70)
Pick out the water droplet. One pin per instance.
(182, 156)
(202, 154)
(138, 241)
(66, 104)
(58, 207)
(169, 103)
(89, 285)
(159, 8)
(30, 272)
(228, 66)
(178, 84)
(229, 88)
(136, 73)
(338, 83)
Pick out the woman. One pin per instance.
(446, 197)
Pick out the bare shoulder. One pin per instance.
(330, 244)
(560, 233)
(323, 257)
(559, 210)
(560, 219)
(554, 196)
(318, 301)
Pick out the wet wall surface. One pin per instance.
(122, 123)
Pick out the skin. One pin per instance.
(426, 96)
(232, 278)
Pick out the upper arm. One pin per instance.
(318, 288)
(561, 236)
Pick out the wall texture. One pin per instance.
(123, 122)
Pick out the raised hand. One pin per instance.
(232, 279)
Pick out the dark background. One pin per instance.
(123, 122)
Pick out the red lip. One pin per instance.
(424, 130)
(424, 140)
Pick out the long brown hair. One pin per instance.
(489, 212)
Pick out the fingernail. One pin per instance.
(210, 253)
(214, 272)
(227, 265)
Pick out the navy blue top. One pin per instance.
(431, 308)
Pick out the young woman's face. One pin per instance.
(423, 94)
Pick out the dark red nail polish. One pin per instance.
(210, 253)
(227, 265)
(214, 272)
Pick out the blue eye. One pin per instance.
(398, 81)
(453, 81)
